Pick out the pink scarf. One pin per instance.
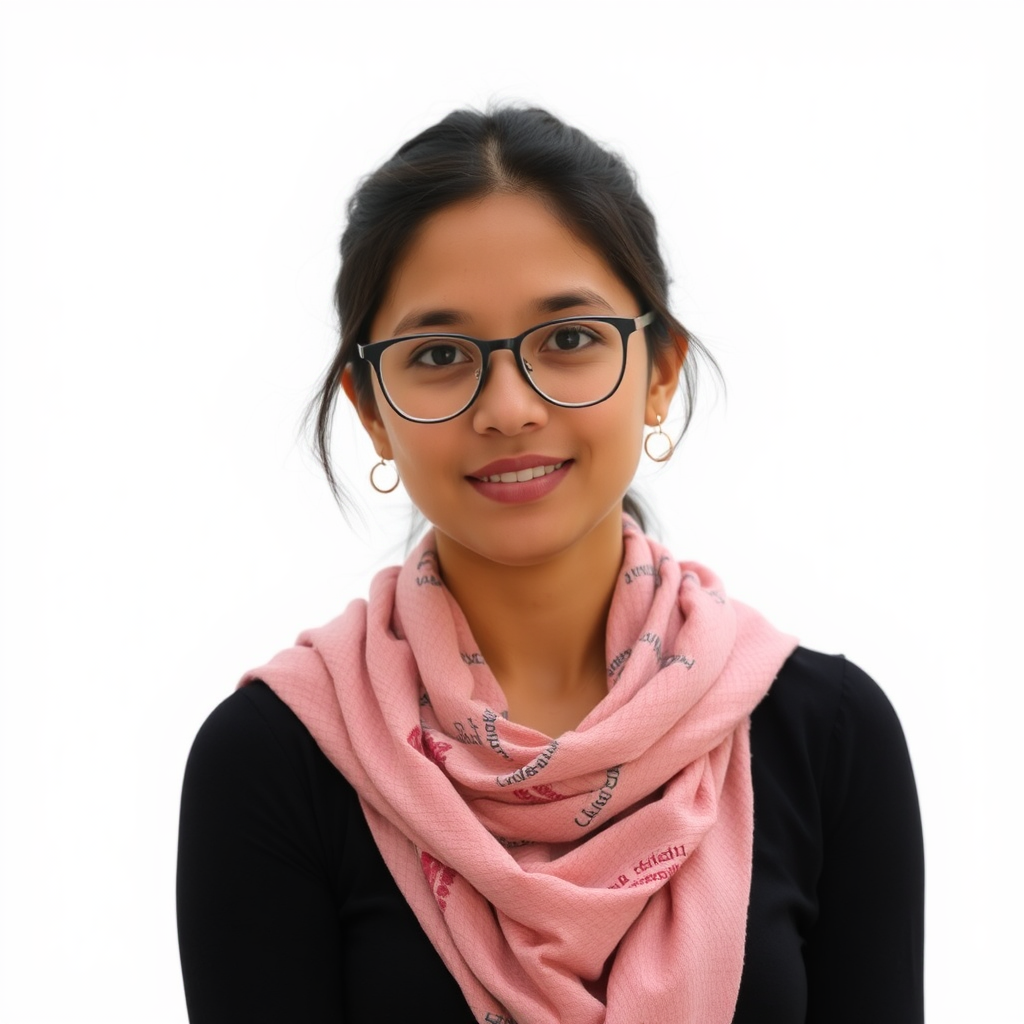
(600, 876)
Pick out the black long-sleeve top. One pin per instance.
(287, 912)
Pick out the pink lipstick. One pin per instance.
(521, 479)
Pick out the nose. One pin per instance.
(506, 403)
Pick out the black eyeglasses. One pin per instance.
(572, 362)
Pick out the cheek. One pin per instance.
(632, 396)
(614, 435)
(410, 445)
(410, 450)
(426, 457)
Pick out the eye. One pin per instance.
(439, 353)
(570, 338)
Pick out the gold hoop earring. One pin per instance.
(663, 439)
(373, 481)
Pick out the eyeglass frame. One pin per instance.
(626, 326)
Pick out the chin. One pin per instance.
(527, 543)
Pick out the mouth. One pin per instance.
(518, 476)
(520, 480)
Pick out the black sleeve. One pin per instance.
(286, 910)
(864, 954)
(258, 922)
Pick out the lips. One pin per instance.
(517, 470)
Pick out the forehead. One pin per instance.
(495, 259)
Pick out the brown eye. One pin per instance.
(570, 338)
(439, 354)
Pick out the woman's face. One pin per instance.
(491, 268)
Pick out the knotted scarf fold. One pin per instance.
(597, 877)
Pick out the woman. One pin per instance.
(547, 773)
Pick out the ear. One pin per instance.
(665, 369)
(368, 413)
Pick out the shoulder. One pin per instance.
(827, 690)
(252, 724)
(826, 681)
(832, 715)
(253, 749)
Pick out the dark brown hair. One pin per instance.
(467, 155)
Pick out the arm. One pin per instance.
(864, 955)
(258, 923)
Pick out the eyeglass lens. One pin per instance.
(433, 377)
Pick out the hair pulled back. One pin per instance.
(469, 155)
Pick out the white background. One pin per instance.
(839, 190)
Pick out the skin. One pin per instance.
(534, 579)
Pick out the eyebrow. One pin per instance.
(550, 304)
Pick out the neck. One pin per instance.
(541, 628)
